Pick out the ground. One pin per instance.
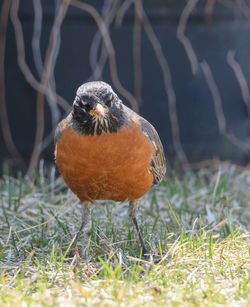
(196, 223)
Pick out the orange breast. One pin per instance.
(112, 166)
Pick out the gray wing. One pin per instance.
(158, 162)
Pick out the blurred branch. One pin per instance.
(51, 98)
(137, 51)
(122, 11)
(168, 86)
(228, 3)
(111, 51)
(239, 143)
(108, 13)
(208, 10)
(219, 109)
(47, 71)
(37, 30)
(245, 10)
(21, 57)
(216, 96)
(7, 136)
(190, 6)
(241, 81)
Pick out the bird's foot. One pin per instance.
(71, 254)
(145, 254)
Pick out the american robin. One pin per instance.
(106, 151)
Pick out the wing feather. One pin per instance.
(158, 162)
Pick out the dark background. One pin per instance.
(212, 34)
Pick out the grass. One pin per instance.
(197, 224)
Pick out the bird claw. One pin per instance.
(145, 254)
(70, 255)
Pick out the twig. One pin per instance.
(190, 6)
(216, 96)
(239, 143)
(122, 11)
(108, 13)
(7, 136)
(51, 95)
(241, 79)
(219, 109)
(48, 66)
(55, 114)
(111, 51)
(37, 30)
(21, 57)
(96, 65)
(137, 51)
(209, 8)
(245, 10)
(239, 76)
(168, 87)
(228, 3)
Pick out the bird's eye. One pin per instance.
(84, 106)
(109, 100)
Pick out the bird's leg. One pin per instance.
(86, 213)
(133, 214)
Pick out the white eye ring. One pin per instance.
(110, 100)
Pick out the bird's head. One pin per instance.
(97, 108)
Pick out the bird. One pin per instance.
(106, 151)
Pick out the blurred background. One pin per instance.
(182, 64)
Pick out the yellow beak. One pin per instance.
(98, 110)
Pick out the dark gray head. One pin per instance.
(97, 108)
